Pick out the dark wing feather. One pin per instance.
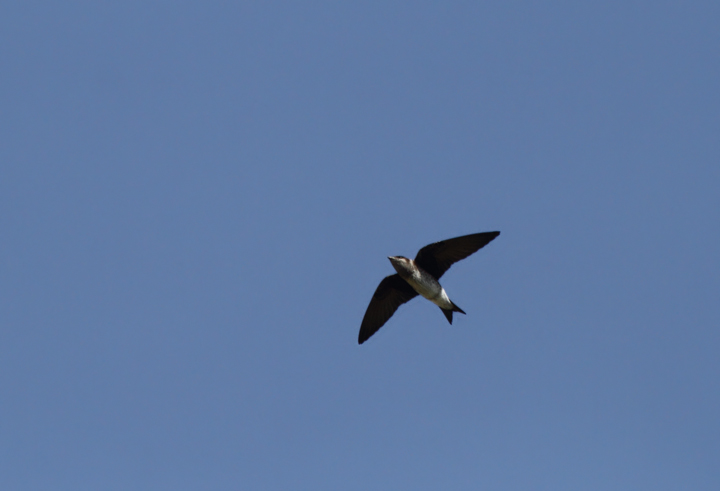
(391, 293)
(438, 257)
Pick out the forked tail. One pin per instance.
(448, 312)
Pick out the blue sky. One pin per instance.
(197, 202)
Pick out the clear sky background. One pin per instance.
(198, 200)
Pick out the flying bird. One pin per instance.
(420, 276)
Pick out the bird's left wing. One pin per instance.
(437, 258)
(390, 294)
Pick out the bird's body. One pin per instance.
(420, 276)
(422, 282)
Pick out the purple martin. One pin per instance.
(420, 276)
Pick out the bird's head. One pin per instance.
(402, 265)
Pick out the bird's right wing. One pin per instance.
(391, 293)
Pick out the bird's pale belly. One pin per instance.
(428, 287)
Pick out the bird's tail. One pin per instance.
(448, 312)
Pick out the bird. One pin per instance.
(420, 276)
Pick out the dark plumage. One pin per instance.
(420, 276)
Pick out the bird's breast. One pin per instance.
(424, 283)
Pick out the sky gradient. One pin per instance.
(197, 201)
